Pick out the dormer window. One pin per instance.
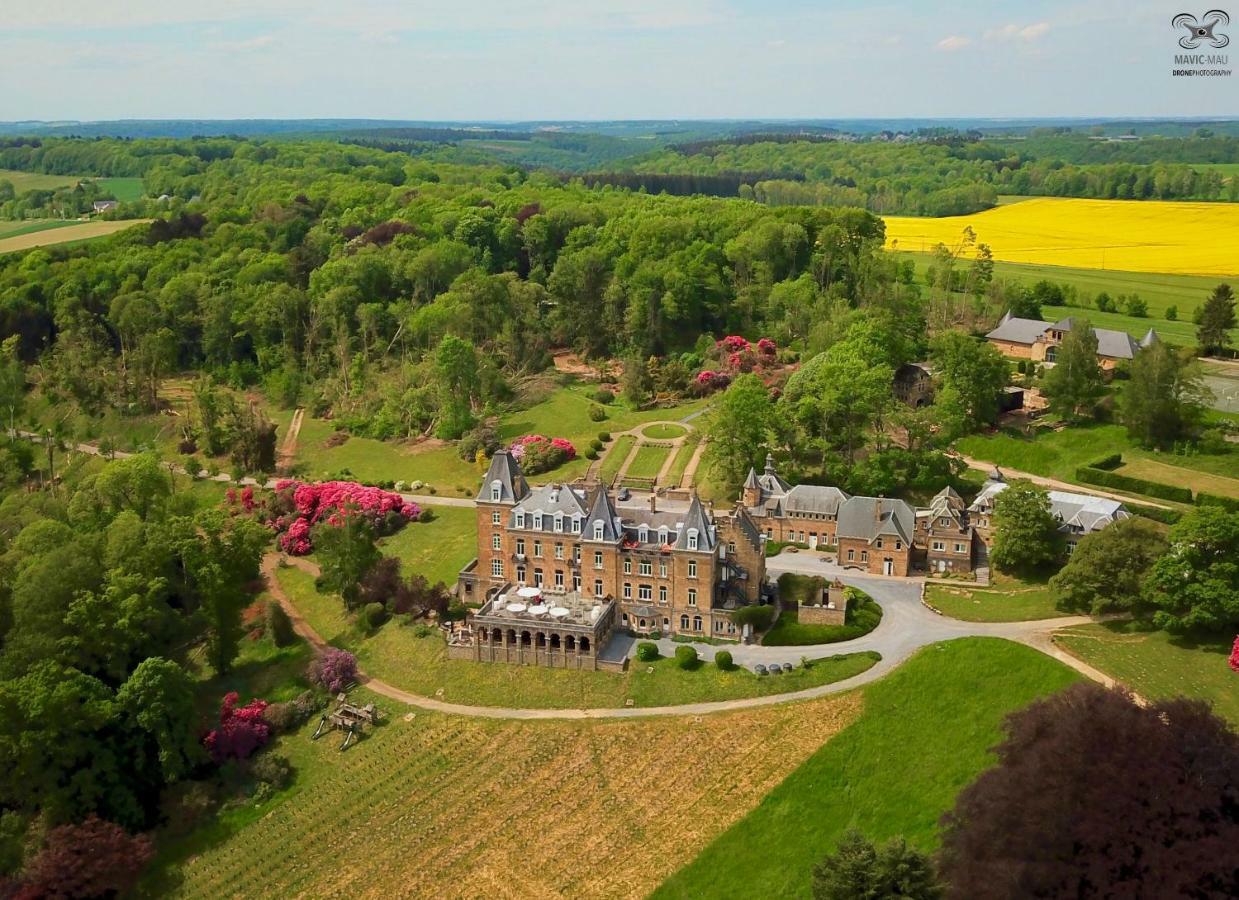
(692, 539)
(662, 535)
(643, 534)
(559, 523)
(576, 524)
(537, 521)
(520, 519)
(496, 490)
(597, 531)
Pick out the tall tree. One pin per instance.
(12, 382)
(858, 869)
(840, 395)
(1026, 535)
(456, 372)
(1107, 570)
(739, 430)
(1196, 584)
(347, 552)
(1095, 796)
(1074, 384)
(974, 371)
(1166, 399)
(158, 700)
(1216, 319)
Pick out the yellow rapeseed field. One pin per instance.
(1127, 235)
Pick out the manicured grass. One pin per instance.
(648, 461)
(1057, 454)
(863, 615)
(125, 190)
(1006, 600)
(1156, 470)
(925, 733)
(1155, 664)
(396, 654)
(663, 431)
(682, 458)
(616, 454)
(437, 549)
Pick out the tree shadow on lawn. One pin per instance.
(1218, 643)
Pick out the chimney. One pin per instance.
(877, 509)
(653, 502)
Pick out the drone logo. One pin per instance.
(1201, 31)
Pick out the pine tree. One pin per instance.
(1217, 317)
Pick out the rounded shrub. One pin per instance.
(595, 445)
(597, 413)
(647, 651)
(722, 659)
(374, 614)
(604, 436)
(279, 625)
(685, 656)
(591, 453)
(603, 396)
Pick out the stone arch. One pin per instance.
(570, 643)
(584, 645)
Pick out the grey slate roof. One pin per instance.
(1080, 513)
(814, 498)
(505, 472)
(550, 499)
(696, 518)
(1115, 344)
(868, 518)
(602, 511)
(1018, 331)
(1111, 343)
(751, 481)
(1150, 338)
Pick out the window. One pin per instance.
(494, 517)
(646, 567)
(496, 491)
(496, 542)
(662, 569)
(537, 548)
(851, 554)
(537, 521)
(939, 546)
(597, 531)
(576, 524)
(959, 548)
(898, 545)
(628, 567)
(1071, 548)
(864, 556)
(576, 582)
(520, 574)
(692, 568)
(662, 535)
(559, 550)
(684, 622)
(625, 618)
(879, 543)
(559, 579)
(496, 568)
(643, 534)
(662, 593)
(520, 546)
(718, 624)
(692, 596)
(627, 591)
(597, 587)
(731, 546)
(537, 577)
(520, 520)
(559, 523)
(666, 624)
(645, 592)
(696, 623)
(597, 559)
(692, 539)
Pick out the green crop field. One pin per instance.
(36, 181)
(30, 226)
(124, 189)
(925, 733)
(1157, 665)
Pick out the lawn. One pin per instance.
(925, 733)
(125, 190)
(616, 454)
(397, 654)
(432, 805)
(1057, 454)
(1156, 470)
(1157, 665)
(437, 549)
(663, 431)
(648, 461)
(863, 615)
(565, 413)
(685, 455)
(1006, 600)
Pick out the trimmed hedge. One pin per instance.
(1092, 475)
(1156, 513)
(1108, 463)
(1204, 498)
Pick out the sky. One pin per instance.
(512, 60)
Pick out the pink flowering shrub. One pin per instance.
(708, 381)
(242, 730)
(766, 347)
(733, 343)
(309, 503)
(537, 453)
(333, 670)
(1234, 655)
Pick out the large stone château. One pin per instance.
(659, 564)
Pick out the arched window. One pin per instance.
(692, 539)
(684, 622)
(496, 490)
(643, 534)
(696, 623)
(662, 535)
(597, 531)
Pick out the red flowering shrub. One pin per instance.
(1234, 655)
(247, 498)
(333, 670)
(708, 381)
(242, 730)
(93, 859)
(537, 453)
(733, 343)
(767, 347)
(311, 503)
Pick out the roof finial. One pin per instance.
(769, 463)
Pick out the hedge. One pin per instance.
(1156, 513)
(1108, 463)
(1204, 498)
(1091, 475)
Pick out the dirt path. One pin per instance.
(288, 450)
(1053, 483)
(690, 471)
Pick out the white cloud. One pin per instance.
(954, 42)
(1013, 32)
